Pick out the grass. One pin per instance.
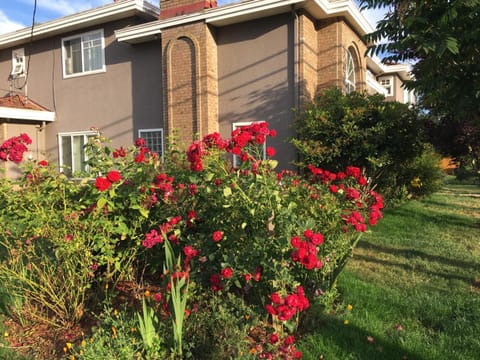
(414, 286)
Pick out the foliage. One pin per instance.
(441, 39)
(115, 337)
(202, 235)
(381, 137)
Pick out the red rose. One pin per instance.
(227, 273)
(289, 340)
(273, 338)
(43, 163)
(217, 236)
(114, 176)
(270, 151)
(102, 184)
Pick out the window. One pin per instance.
(154, 140)
(83, 54)
(349, 73)
(387, 83)
(18, 63)
(236, 158)
(71, 148)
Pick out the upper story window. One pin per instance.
(71, 149)
(153, 139)
(349, 73)
(83, 54)
(18, 63)
(387, 83)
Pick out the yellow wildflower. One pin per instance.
(69, 345)
(147, 293)
(345, 322)
(349, 307)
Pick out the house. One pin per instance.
(134, 70)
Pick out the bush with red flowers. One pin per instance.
(200, 231)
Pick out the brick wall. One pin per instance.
(334, 38)
(190, 81)
(308, 58)
(171, 8)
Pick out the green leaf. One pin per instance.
(101, 203)
(144, 212)
(209, 176)
(227, 191)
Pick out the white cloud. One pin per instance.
(7, 25)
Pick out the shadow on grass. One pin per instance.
(469, 280)
(410, 253)
(440, 204)
(429, 216)
(334, 340)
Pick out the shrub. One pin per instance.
(363, 130)
(205, 237)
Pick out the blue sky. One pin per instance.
(17, 14)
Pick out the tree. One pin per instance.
(442, 40)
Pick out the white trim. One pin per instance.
(350, 84)
(100, 15)
(72, 134)
(26, 114)
(374, 84)
(81, 35)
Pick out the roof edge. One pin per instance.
(249, 10)
(26, 114)
(109, 12)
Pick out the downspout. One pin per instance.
(296, 58)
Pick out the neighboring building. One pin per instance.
(130, 70)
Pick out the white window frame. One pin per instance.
(350, 76)
(60, 136)
(236, 159)
(82, 44)
(387, 83)
(143, 131)
(18, 63)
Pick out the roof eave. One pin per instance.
(26, 114)
(110, 12)
(249, 10)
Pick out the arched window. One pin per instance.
(349, 73)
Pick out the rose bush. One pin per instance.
(273, 240)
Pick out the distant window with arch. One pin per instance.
(349, 72)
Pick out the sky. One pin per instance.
(18, 14)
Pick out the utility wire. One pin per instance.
(30, 45)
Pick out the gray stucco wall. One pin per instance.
(111, 101)
(256, 78)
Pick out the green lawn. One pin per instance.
(414, 286)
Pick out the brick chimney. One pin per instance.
(172, 8)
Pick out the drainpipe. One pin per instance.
(296, 58)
